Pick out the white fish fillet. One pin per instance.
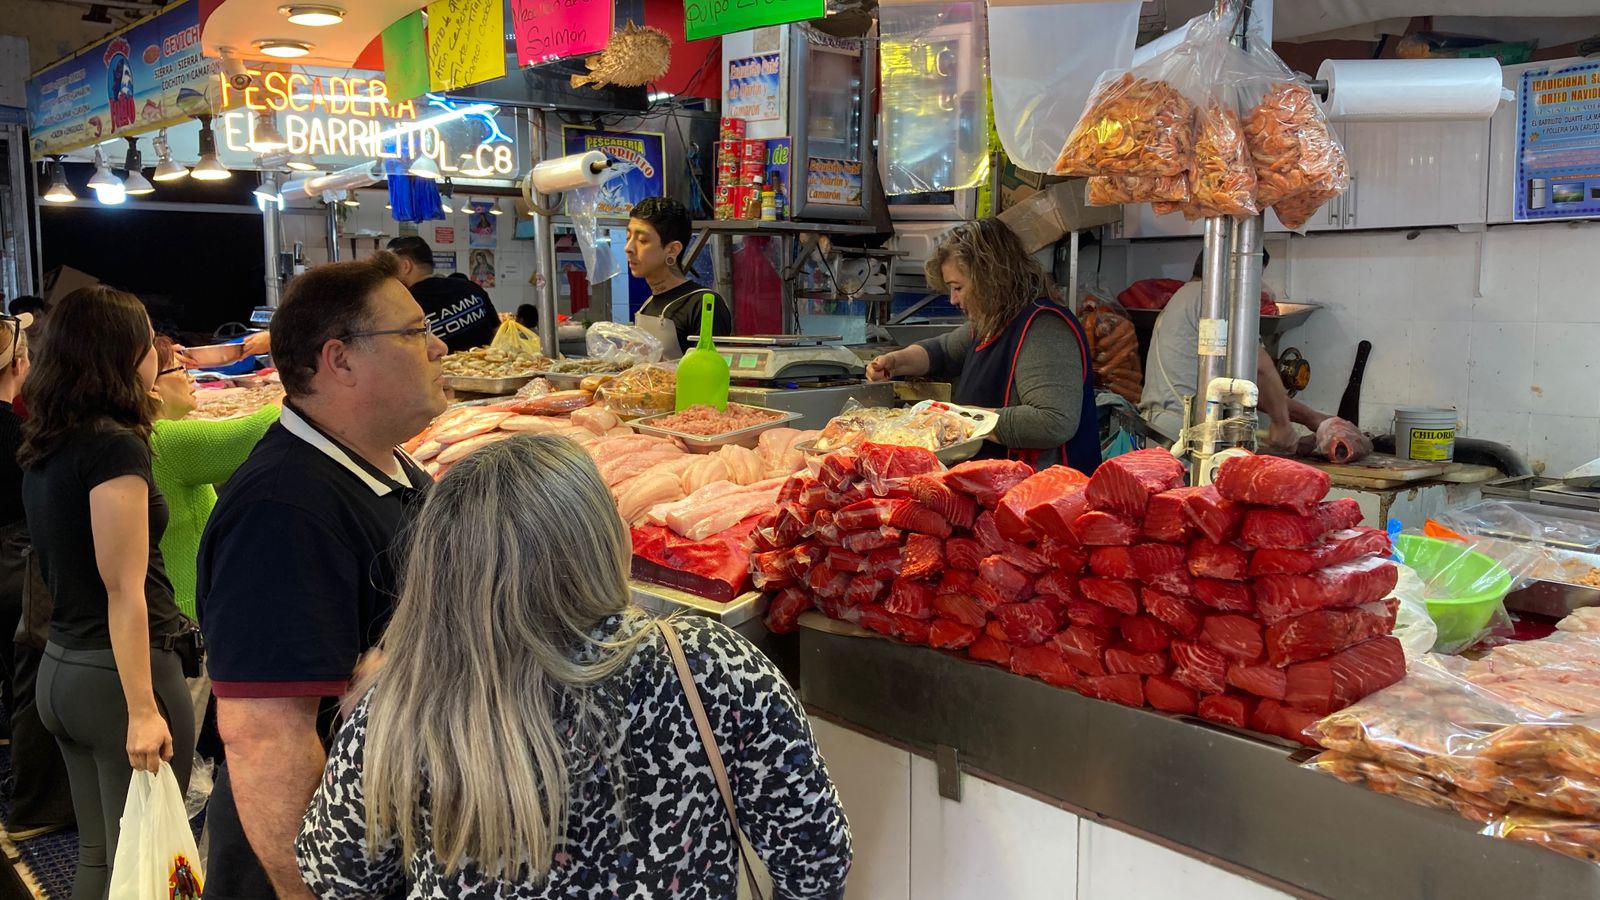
(648, 490)
(728, 512)
(658, 514)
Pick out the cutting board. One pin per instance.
(1379, 470)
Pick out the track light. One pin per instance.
(58, 191)
(166, 169)
(268, 188)
(107, 187)
(210, 168)
(446, 191)
(134, 181)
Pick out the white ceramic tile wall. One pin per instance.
(874, 782)
(1118, 866)
(994, 842)
(1519, 362)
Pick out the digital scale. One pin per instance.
(261, 318)
(808, 374)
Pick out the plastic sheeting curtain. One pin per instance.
(1050, 55)
(935, 106)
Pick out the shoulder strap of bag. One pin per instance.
(713, 754)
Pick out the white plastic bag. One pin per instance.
(156, 856)
(1412, 625)
(935, 96)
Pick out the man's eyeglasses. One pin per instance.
(417, 331)
(172, 371)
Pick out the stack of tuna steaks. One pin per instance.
(1250, 602)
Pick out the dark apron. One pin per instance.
(989, 373)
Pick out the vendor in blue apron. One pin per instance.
(658, 231)
(1019, 352)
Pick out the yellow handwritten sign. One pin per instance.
(466, 43)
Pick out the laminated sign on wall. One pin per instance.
(1558, 143)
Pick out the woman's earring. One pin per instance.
(672, 260)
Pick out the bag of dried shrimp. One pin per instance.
(1138, 122)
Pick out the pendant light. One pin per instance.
(446, 190)
(58, 191)
(209, 168)
(107, 187)
(166, 169)
(425, 167)
(268, 188)
(134, 181)
(494, 208)
(264, 137)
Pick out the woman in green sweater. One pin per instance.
(190, 458)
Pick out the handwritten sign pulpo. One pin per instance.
(709, 18)
(553, 29)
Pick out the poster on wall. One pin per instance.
(1558, 143)
(145, 76)
(638, 157)
(444, 261)
(443, 235)
(481, 230)
(480, 267)
(753, 88)
(836, 181)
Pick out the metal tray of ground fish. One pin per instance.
(744, 437)
(476, 385)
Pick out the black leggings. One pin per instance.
(81, 702)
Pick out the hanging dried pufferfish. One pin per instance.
(635, 57)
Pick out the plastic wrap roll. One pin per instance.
(1397, 90)
(568, 172)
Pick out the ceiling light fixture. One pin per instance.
(209, 168)
(134, 181)
(425, 167)
(107, 187)
(264, 135)
(301, 163)
(58, 191)
(281, 49)
(494, 208)
(166, 169)
(313, 16)
(446, 191)
(268, 188)
(350, 200)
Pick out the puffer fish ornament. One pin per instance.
(635, 57)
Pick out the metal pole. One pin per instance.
(269, 243)
(544, 246)
(1213, 337)
(1244, 299)
(333, 232)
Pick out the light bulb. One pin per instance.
(209, 168)
(59, 191)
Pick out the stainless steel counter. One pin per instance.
(1212, 792)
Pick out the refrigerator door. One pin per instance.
(831, 87)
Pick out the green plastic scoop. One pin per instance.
(703, 373)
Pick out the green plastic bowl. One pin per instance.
(1469, 584)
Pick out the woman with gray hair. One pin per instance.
(528, 734)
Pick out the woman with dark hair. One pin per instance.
(111, 685)
(1020, 351)
(658, 231)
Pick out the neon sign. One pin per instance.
(324, 116)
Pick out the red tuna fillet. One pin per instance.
(1062, 556)
(838, 470)
(988, 649)
(907, 515)
(1044, 663)
(1097, 528)
(1160, 564)
(1112, 562)
(875, 618)
(1013, 583)
(1227, 709)
(784, 614)
(1279, 597)
(1212, 560)
(964, 553)
(1084, 648)
(1236, 637)
(932, 492)
(1179, 613)
(793, 488)
(1121, 596)
(959, 608)
(956, 581)
(862, 590)
(841, 560)
(1272, 717)
(947, 634)
(1282, 529)
(1124, 484)
(1145, 634)
(1058, 584)
(995, 630)
(1164, 517)
(1199, 667)
(1122, 661)
(1125, 689)
(923, 556)
(1167, 695)
(1055, 519)
(1259, 680)
(871, 539)
(1227, 596)
(987, 479)
(885, 563)
(1085, 612)
(1027, 624)
(885, 465)
(1036, 490)
(1271, 481)
(1217, 517)
(1323, 632)
(1337, 548)
(988, 534)
(1324, 685)
(912, 631)
(913, 599)
(1026, 558)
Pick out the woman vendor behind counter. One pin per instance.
(1020, 352)
(658, 231)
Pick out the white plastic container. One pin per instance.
(1425, 433)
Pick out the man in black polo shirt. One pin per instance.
(459, 312)
(297, 565)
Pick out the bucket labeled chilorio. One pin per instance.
(1424, 433)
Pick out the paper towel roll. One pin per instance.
(1397, 90)
(578, 170)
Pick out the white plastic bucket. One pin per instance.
(1425, 433)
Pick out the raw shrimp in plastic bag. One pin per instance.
(1574, 836)
(1419, 789)
(644, 390)
(1138, 122)
(614, 340)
